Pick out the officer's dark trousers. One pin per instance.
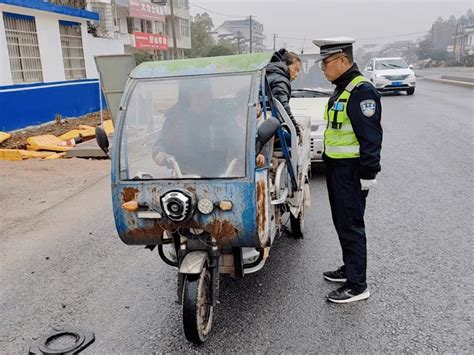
(347, 207)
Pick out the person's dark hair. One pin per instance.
(286, 57)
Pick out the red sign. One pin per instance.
(150, 41)
(146, 10)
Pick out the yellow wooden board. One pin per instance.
(10, 154)
(55, 156)
(76, 133)
(83, 126)
(28, 154)
(4, 136)
(108, 127)
(46, 142)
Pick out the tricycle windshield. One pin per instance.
(188, 127)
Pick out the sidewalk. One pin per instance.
(458, 76)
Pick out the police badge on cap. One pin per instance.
(330, 46)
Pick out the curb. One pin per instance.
(451, 82)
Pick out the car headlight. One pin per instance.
(205, 206)
(379, 76)
(314, 127)
(178, 205)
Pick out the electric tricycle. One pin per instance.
(185, 179)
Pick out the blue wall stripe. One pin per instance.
(50, 7)
(21, 86)
(18, 16)
(23, 108)
(69, 23)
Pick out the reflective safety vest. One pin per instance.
(340, 141)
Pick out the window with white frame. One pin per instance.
(73, 52)
(184, 27)
(130, 25)
(23, 48)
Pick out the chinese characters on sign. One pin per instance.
(150, 41)
(146, 10)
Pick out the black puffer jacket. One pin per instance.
(278, 76)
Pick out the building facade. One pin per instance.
(145, 25)
(238, 33)
(47, 63)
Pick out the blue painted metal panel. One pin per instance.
(50, 7)
(27, 105)
(237, 227)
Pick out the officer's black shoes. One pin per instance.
(345, 294)
(336, 276)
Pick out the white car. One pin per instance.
(311, 103)
(310, 93)
(391, 74)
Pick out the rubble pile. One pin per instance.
(54, 140)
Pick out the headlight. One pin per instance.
(205, 206)
(314, 127)
(379, 76)
(178, 205)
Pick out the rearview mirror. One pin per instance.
(266, 131)
(102, 140)
(369, 69)
(410, 66)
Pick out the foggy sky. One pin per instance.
(368, 21)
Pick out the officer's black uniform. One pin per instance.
(343, 178)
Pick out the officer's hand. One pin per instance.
(366, 185)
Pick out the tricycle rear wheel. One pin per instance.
(197, 308)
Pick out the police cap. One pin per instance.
(330, 46)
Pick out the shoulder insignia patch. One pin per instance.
(368, 107)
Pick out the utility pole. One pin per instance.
(432, 45)
(173, 30)
(251, 33)
(239, 37)
(274, 41)
(455, 47)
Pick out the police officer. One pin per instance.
(353, 141)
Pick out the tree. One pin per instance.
(425, 48)
(223, 47)
(220, 49)
(201, 38)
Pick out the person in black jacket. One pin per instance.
(352, 146)
(283, 68)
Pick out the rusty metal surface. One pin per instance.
(236, 227)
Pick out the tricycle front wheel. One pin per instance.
(297, 224)
(198, 310)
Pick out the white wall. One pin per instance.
(47, 28)
(94, 46)
(5, 73)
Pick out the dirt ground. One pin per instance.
(57, 128)
(29, 187)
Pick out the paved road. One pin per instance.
(420, 228)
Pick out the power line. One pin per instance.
(364, 39)
(216, 12)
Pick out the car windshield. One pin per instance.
(311, 76)
(186, 128)
(396, 63)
